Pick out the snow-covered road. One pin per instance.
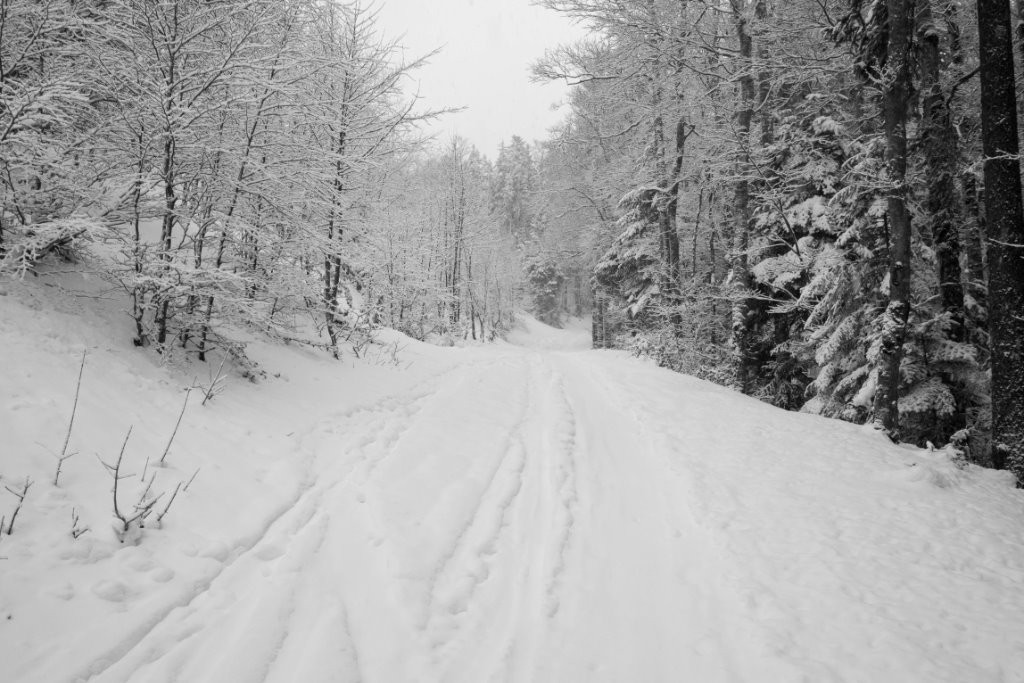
(538, 516)
(543, 513)
(507, 520)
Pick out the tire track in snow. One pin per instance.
(302, 507)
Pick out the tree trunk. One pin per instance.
(972, 229)
(458, 226)
(666, 177)
(942, 205)
(764, 87)
(332, 255)
(742, 334)
(895, 97)
(167, 231)
(972, 242)
(138, 295)
(670, 234)
(693, 234)
(1004, 218)
(599, 325)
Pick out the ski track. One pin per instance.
(467, 564)
(514, 518)
(523, 527)
(289, 521)
(516, 542)
(565, 448)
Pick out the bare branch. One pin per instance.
(177, 424)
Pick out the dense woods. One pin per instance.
(816, 202)
(805, 201)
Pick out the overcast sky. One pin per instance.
(487, 49)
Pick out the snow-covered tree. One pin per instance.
(52, 193)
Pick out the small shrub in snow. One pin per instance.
(64, 455)
(191, 479)
(174, 433)
(361, 340)
(214, 387)
(960, 448)
(939, 468)
(160, 517)
(129, 524)
(20, 494)
(388, 355)
(115, 472)
(76, 527)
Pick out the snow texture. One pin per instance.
(524, 511)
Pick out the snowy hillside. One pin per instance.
(522, 511)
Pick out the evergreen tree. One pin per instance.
(1005, 219)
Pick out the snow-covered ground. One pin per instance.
(524, 511)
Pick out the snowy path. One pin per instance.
(538, 514)
(520, 546)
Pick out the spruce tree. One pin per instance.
(1005, 221)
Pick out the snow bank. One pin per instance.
(860, 560)
(69, 607)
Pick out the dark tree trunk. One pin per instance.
(332, 255)
(942, 205)
(599, 324)
(742, 314)
(669, 231)
(764, 87)
(666, 177)
(138, 295)
(458, 227)
(944, 210)
(973, 245)
(971, 228)
(896, 95)
(167, 231)
(1004, 218)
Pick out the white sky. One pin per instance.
(487, 49)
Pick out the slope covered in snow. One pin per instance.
(524, 511)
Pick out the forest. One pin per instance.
(805, 201)
(815, 202)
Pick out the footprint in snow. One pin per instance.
(64, 591)
(271, 551)
(162, 574)
(111, 591)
